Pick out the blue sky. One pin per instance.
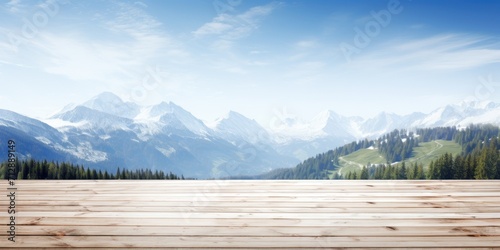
(256, 57)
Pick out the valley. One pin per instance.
(106, 132)
(423, 154)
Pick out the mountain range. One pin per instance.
(106, 133)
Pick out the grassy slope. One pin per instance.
(424, 153)
(430, 151)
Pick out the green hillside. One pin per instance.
(478, 145)
(360, 158)
(424, 154)
(431, 151)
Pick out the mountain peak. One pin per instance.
(235, 115)
(110, 103)
(474, 104)
(237, 127)
(163, 108)
(104, 97)
(325, 117)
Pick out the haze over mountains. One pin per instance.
(106, 132)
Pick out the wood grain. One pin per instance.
(254, 214)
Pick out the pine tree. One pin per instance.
(470, 165)
(420, 173)
(459, 168)
(480, 173)
(364, 173)
(412, 172)
(402, 175)
(445, 163)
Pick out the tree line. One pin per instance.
(396, 146)
(44, 170)
(481, 164)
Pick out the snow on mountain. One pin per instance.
(468, 106)
(107, 130)
(329, 123)
(325, 124)
(285, 130)
(386, 122)
(235, 127)
(380, 124)
(55, 143)
(89, 119)
(490, 116)
(444, 116)
(28, 125)
(84, 151)
(112, 104)
(461, 114)
(166, 116)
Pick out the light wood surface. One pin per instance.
(254, 214)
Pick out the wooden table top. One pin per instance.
(252, 214)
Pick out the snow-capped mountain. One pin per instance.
(461, 115)
(236, 128)
(106, 132)
(84, 118)
(330, 123)
(386, 122)
(329, 129)
(168, 117)
(111, 104)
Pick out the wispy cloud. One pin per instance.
(12, 64)
(14, 6)
(143, 30)
(442, 52)
(306, 44)
(222, 34)
(80, 57)
(229, 26)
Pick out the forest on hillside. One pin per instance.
(44, 170)
(479, 159)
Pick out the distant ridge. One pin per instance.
(106, 132)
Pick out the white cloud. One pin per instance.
(464, 59)
(306, 44)
(12, 63)
(142, 4)
(443, 52)
(14, 6)
(222, 45)
(229, 26)
(216, 27)
(80, 57)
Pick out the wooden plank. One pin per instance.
(252, 222)
(427, 194)
(284, 204)
(257, 209)
(259, 231)
(255, 214)
(205, 199)
(253, 242)
(228, 215)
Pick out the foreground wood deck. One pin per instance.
(254, 214)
